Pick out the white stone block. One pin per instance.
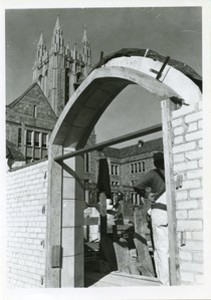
(193, 117)
(177, 122)
(194, 136)
(185, 166)
(181, 214)
(184, 110)
(185, 255)
(185, 147)
(194, 174)
(192, 127)
(178, 130)
(191, 184)
(192, 267)
(189, 225)
(195, 214)
(187, 276)
(198, 193)
(178, 140)
(197, 236)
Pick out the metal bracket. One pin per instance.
(159, 73)
(178, 101)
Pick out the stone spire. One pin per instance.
(40, 57)
(40, 49)
(86, 52)
(85, 39)
(57, 42)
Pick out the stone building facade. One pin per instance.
(29, 122)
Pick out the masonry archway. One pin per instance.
(161, 76)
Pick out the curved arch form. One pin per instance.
(97, 91)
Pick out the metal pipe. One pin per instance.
(102, 145)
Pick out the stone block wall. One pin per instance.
(187, 155)
(26, 225)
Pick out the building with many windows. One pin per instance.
(30, 118)
(29, 122)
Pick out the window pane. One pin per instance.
(131, 168)
(44, 140)
(37, 139)
(34, 111)
(19, 136)
(29, 137)
(135, 167)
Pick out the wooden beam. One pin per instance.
(144, 258)
(100, 146)
(54, 208)
(167, 107)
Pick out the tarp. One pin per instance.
(103, 183)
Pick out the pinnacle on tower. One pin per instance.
(41, 51)
(41, 40)
(57, 41)
(57, 25)
(85, 39)
(86, 52)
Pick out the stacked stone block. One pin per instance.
(187, 155)
(26, 224)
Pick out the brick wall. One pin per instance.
(187, 151)
(26, 224)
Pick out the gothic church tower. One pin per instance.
(60, 70)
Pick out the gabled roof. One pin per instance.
(13, 103)
(149, 146)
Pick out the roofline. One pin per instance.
(10, 105)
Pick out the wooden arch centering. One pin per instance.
(77, 120)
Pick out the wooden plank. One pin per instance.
(53, 238)
(122, 256)
(167, 107)
(145, 260)
(123, 138)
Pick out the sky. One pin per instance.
(171, 31)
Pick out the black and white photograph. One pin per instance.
(104, 120)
